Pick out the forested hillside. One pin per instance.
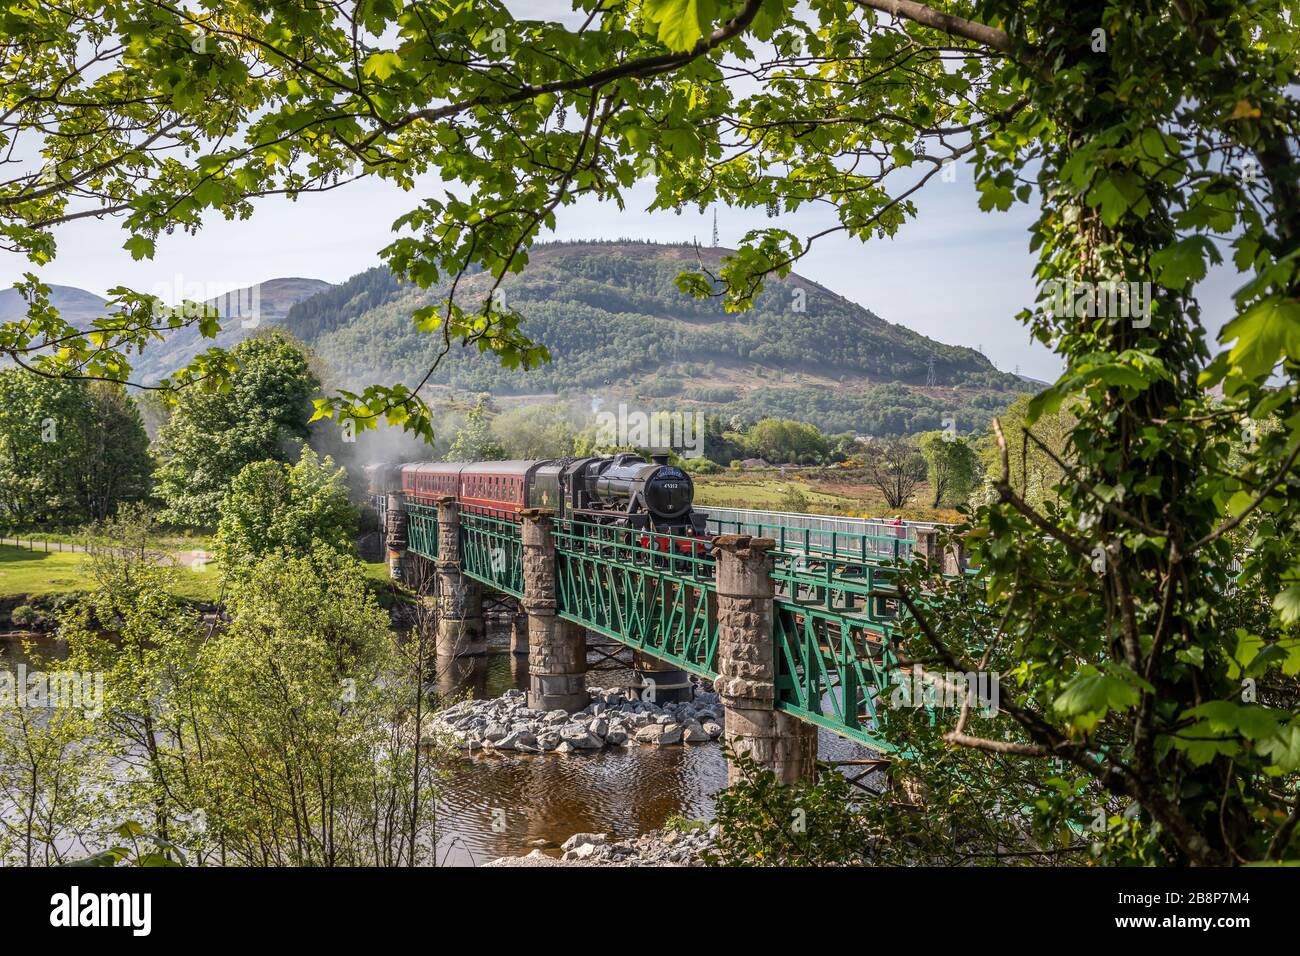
(616, 324)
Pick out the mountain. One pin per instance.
(617, 326)
(273, 299)
(619, 330)
(76, 305)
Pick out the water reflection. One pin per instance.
(503, 803)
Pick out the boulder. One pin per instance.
(695, 734)
(712, 728)
(578, 839)
(669, 734)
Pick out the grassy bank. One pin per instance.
(24, 572)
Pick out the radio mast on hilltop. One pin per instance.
(929, 371)
(715, 228)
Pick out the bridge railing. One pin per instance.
(834, 670)
(889, 543)
(864, 538)
(422, 530)
(491, 549)
(652, 591)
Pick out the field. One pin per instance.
(36, 573)
(812, 490)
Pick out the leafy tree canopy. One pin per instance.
(212, 435)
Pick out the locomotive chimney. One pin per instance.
(660, 459)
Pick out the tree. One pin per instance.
(212, 436)
(69, 450)
(1035, 468)
(297, 509)
(896, 468)
(474, 440)
(1155, 135)
(951, 466)
(781, 440)
(114, 464)
(306, 717)
(534, 431)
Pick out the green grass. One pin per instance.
(36, 573)
(27, 572)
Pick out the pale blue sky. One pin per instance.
(954, 273)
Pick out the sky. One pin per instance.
(953, 273)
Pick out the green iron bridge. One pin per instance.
(835, 608)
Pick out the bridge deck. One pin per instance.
(835, 610)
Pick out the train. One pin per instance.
(625, 490)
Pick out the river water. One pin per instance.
(507, 804)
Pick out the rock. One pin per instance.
(557, 717)
(616, 736)
(517, 740)
(695, 734)
(669, 734)
(578, 839)
(495, 732)
(712, 729)
(648, 733)
(548, 740)
(598, 727)
(583, 852)
(574, 731)
(564, 748)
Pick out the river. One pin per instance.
(508, 804)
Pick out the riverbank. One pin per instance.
(670, 846)
(610, 720)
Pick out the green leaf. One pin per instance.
(1287, 604)
(682, 23)
(1092, 692)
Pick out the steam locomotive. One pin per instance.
(624, 490)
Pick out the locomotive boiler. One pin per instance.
(624, 489)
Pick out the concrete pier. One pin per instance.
(747, 665)
(460, 598)
(949, 560)
(557, 649)
(519, 631)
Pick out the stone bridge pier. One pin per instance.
(460, 629)
(746, 680)
(557, 649)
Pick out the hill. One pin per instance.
(273, 299)
(617, 326)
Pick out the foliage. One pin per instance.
(50, 783)
(295, 509)
(474, 440)
(535, 431)
(763, 823)
(211, 436)
(308, 719)
(951, 466)
(1035, 467)
(69, 450)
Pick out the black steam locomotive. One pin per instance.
(624, 489)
